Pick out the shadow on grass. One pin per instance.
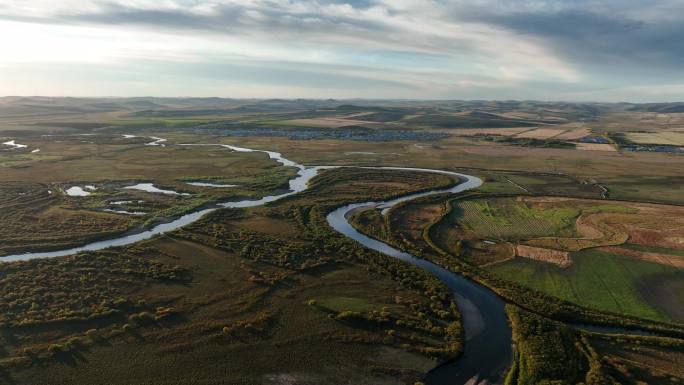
(6, 377)
(9, 337)
(72, 358)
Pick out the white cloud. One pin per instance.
(431, 47)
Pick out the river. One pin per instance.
(487, 349)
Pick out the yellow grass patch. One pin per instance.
(595, 147)
(541, 133)
(556, 257)
(671, 138)
(412, 116)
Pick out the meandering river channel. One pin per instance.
(487, 351)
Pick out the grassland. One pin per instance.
(261, 286)
(272, 296)
(39, 215)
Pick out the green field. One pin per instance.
(596, 279)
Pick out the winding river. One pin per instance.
(487, 351)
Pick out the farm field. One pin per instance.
(335, 122)
(574, 131)
(510, 219)
(637, 278)
(602, 281)
(541, 133)
(673, 138)
(569, 224)
(633, 278)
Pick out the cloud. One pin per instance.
(361, 27)
(444, 48)
(623, 35)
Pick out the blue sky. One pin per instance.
(608, 50)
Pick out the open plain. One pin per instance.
(581, 251)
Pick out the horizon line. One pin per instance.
(341, 99)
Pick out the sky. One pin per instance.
(574, 50)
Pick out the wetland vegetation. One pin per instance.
(565, 236)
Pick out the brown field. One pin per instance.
(574, 133)
(594, 224)
(595, 147)
(409, 221)
(526, 116)
(328, 122)
(655, 225)
(556, 257)
(541, 133)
